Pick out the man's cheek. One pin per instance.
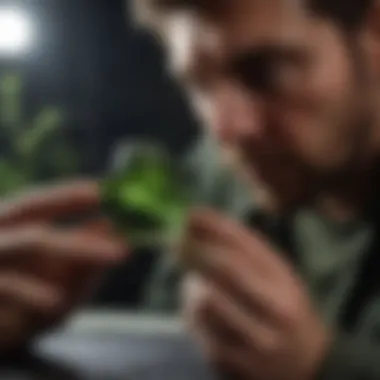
(303, 134)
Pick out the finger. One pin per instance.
(221, 349)
(59, 270)
(101, 226)
(257, 293)
(196, 295)
(230, 362)
(53, 243)
(104, 227)
(29, 292)
(222, 313)
(50, 202)
(84, 278)
(194, 291)
(208, 225)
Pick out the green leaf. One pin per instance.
(12, 179)
(44, 126)
(10, 100)
(64, 161)
(37, 148)
(144, 195)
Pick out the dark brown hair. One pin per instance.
(349, 14)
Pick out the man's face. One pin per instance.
(278, 86)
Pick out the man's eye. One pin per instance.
(263, 72)
(256, 75)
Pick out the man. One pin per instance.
(289, 92)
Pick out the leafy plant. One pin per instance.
(145, 194)
(33, 149)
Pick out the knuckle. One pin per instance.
(270, 345)
(290, 315)
(289, 309)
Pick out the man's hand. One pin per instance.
(46, 270)
(246, 305)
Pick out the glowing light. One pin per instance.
(15, 32)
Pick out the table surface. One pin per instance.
(114, 346)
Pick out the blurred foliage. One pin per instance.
(145, 194)
(33, 148)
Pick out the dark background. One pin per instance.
(109, 77)
(110, 80)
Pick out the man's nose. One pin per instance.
(239, 115)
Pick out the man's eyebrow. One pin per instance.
(268, 50)
(165, 4)
(197, 5)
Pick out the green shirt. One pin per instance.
(330, 255)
